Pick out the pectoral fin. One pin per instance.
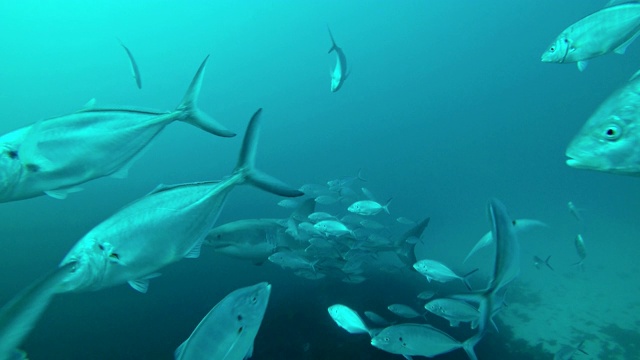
(142, 285)
(62, 194)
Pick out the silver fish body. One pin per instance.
(611, 29)
(55, 155)
(229, 329)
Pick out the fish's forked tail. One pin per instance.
(465, 278)
(246, 163)
(333, 42)
(546, 262)
(190, 113)
(469, 345)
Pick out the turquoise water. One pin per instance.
(446, 106)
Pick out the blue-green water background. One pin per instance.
(446, 106)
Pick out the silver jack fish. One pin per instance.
(53, 156)
(339, 73)
(611, 29)
(610, 140)
(19, 316)
(229, 329)
(163, 227)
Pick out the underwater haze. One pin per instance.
(446, 105)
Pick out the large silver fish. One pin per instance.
(611, 29)
(339, 73)
(610, 140)
(163, 227)
(19, 316)
(53, 156)
(229, 329)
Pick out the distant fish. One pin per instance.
(581, 250)
(368, 207)
(574, 211)
(405, 221)
(289, 259)
(340, 72)
(377, 319)
(456, 311)
(404, 311)
(134, 67)
(611, 29)
(19, 316)
(426, 295)
(289, 203)
(229, 329)
(347, 319)
(609, 141)
(333, 228)
(435, 270)
(539, 262)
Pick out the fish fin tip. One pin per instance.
(194, 253)
(62, 194)
(180, 350)
(191, 114)
(582, 65)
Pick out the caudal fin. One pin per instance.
(190, 113)
(465, 278)
(469, 345)
(246, 163)
(333, 42)
(546, 262)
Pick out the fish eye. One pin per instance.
(100, 247)
(566, 41)
(612, 132)
(552, 49)
(254, 299)
(239, 317)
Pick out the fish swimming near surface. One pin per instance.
(165, 226)
(339, 73)
(419, 340)
(610, 139)
(229, 329)
(54, 156)
(19, 316)
(611, 29)
(134, 66)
